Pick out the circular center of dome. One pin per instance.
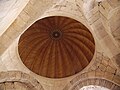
(56, 34)
(56, 47)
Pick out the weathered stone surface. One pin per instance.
(102, 18)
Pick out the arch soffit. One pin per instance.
(18, 76)
(86, 79)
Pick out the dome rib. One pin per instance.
(66, 23)
(71, 25)
(43, 57)
(56, 47)
(30, 41)
(47, 60)
(61, 62)
(81, 56)
(24, 49)
(61, 21)
(73, 58)
(69, 60)
(43, 24)
(52, 61)
(40, 52)
(85, 50)
(36, 33)
(80, 32)
(86, 43)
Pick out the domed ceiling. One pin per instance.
(56, 47)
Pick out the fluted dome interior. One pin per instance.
(56, 47)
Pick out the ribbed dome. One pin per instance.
(56, 47)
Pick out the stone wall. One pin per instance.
(16, 80)
(101, 17)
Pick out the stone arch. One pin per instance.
(21, 78)
(114, 23)
(27, 16)
(98, 16)
(10, 10)
(114, 19)
(95, 81)
(89, 78)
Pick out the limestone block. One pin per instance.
(17, 86)
(105, 8)
(24, 77)
(4, 40)
(93, 68)
(30, 10)
(12, 76)
(18, 75)
(84, 83)
(24, 16)
(116, 87)
(105, 62)
(101, 82)
(2, 87)
(110, 69)
(33, 2)
(99, 56)
(92, 12)
(79, 85)
(5, 57)
(116, 34)
(114, 21)
(13, 50)
(97, 81)
(47, 87)
(12, 32)
(2, 66)
(95, 65)
(74, 80)
(3, 76)
(94, 18)
(79, 2)
(11, 9)
(91, 81)
(99, 29)
(116, 79)
(2, 48)
(108, 84)
(108, 76)
(88, 5)
(8, 63)
(91, 74)
(111, 49)
(9, 86)
(105, 23)
(67, 86)
(38, 87)
(114, 3)
(99, 73)
(102, 67)
(34, 81)
(83, 75)
(72, 8)
(39, 6)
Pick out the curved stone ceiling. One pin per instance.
(56, 47)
